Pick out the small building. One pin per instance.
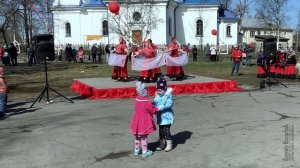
(255, 31)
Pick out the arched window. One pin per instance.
(105, 28)
(228, 31)
(199, 27)
(68, 29)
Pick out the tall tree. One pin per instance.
(241, 8)
(8, 8)
(297, 32)
(273, 13)
(226, 3)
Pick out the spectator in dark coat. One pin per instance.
(68, 52)
(207, 52)
(94, 52)
(195, 53)
(13, 52)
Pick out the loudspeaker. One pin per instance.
(45, 51)
(270, 48)
(44, 47)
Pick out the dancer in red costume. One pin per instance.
(120, 73)
(174, 71)
(157, 71)
(149, 51)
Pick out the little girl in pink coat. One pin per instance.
(142, 123)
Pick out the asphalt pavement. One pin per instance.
(248, 129)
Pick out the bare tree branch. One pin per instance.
(140, 16)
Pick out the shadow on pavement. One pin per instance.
(15, 109)
(179, 138)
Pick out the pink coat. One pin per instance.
(142, 122)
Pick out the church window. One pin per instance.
(105, 28)
(199, 27)
(252, 33)
(228, 31)
(68, 29)
(137, 16)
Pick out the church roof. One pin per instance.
(91, 3)
(197, 1)
(227, 15)
(259, 24)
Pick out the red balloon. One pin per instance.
(214, 32)
(114, 7)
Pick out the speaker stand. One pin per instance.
(269, 76)
(46, 90)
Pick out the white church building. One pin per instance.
(190, 21)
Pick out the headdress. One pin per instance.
(173, 40)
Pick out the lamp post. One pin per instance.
(278, 27)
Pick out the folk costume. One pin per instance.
(149, 51)
(120, 73)
(142, 123)
(157, 71)
(174, 71)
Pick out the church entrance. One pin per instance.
(137, 36)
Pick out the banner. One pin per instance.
(116, 60)
(93, 37)
(141, 63)
(182, 60)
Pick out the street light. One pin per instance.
(278, 26)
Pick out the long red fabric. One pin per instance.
(187, 88)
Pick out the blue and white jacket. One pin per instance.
(165, 115)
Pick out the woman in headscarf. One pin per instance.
(149, 51)
(157, 71)
(174, 71)
(120, 73)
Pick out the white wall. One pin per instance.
(159, 34)
(81, 25)
(186, 25)
(223, 39)
(90, 23)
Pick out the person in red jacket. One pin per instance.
(236, 55)
(120, 73)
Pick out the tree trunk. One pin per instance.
(4, 37)
(26, 24)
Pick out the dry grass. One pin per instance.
(26, 82)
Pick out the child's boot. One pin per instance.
(147, 153)
(162, 145)
(137, 152)
(169, 146)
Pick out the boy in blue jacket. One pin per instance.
(165, 116)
